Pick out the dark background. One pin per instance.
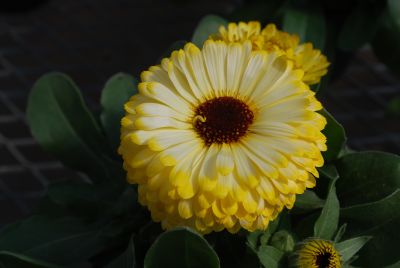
(91, 40)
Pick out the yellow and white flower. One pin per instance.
(222, 137)
(304, 56)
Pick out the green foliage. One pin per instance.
(181, 248)
(327, 223)
(117, 91)
(347, 249)
(375, 212)
(283, 240)
(336, 137)
(374, 174)
(308, 201)
(63, 125)
(14, 260)
(207, 26)
(270, 257)
(63, 241)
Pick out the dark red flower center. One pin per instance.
(222, 120)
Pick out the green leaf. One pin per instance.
(181, 248)
(127, 259)
(117, 91)
(63, 241)
(374, 174)
(253, 239)
(207, 26)
(272, 227)
(308, 201)
(336, 137)
(329, 171)
(307, 22)
(360, 25)
(15, 260)
(95, 200)
(327, 223)
(347, 249)
(283, 240)
(269, 256)
(63, 125)
(340, 233)
(381, 220)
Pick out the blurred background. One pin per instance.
(91, 40)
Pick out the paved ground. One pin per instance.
(91, 40)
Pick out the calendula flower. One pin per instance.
(221, 137)
(317, 253)
(304, 56)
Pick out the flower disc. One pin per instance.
(317, 253)
(221, 137)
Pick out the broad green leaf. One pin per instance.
(272, 227)
(253, 239)
(15, 260)
(348, 248)
(308, 201)
(283, 240)
(360, 25)
(367, 177)
(307, 22)
(336, 137)
(117, 91)
(340, 233)
(329, 171)
(327, 223)
(96, 200)
(269, 256)
(62, 241)
(63, 125)
(181, 248)
(381, 220)
(207, 26)
(127, 259)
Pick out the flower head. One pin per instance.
(304, 56)
(317, 253)
(221, 137)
